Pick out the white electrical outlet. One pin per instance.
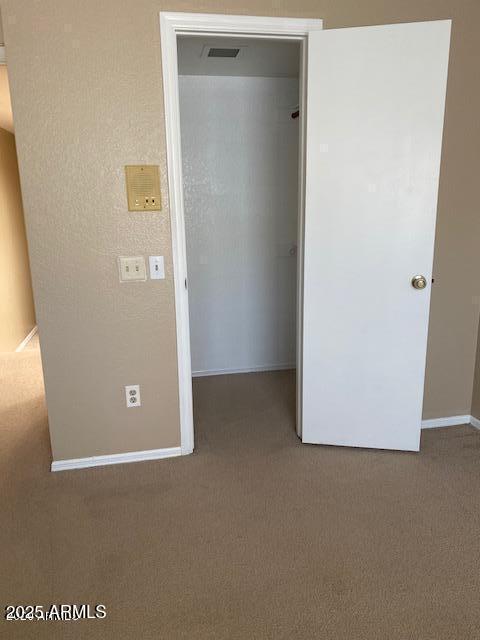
(132, 395)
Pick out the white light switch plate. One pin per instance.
(157, 268)
(132, 268)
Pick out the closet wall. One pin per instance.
(240, 164)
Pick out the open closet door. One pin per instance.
(375, 112)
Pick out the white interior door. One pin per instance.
(375, 118)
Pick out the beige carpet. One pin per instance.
(253, 537)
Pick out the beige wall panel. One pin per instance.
(6, 117)
(87, 97)
(17, 315)
(476, 386)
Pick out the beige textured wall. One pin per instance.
(17, 315)
(6, 117)
(476, 385)
(87, 95)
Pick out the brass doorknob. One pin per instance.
(419, 282)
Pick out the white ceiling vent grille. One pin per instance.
(212, 51)
(223, 52)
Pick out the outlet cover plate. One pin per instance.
(132, 396)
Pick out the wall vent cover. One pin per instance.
(223, 52)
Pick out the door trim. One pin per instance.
(172, 25)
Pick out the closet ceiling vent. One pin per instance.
(223, 52)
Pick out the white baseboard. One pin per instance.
(26, 340)
(172, 452)
(451, 421)
(116, 458)
(256, 369)
(475, 422)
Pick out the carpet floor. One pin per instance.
(253, 537)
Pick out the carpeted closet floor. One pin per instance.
(253, 537)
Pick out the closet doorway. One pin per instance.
(239, 118)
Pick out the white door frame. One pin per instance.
(172, 25)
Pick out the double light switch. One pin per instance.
(132, 268)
